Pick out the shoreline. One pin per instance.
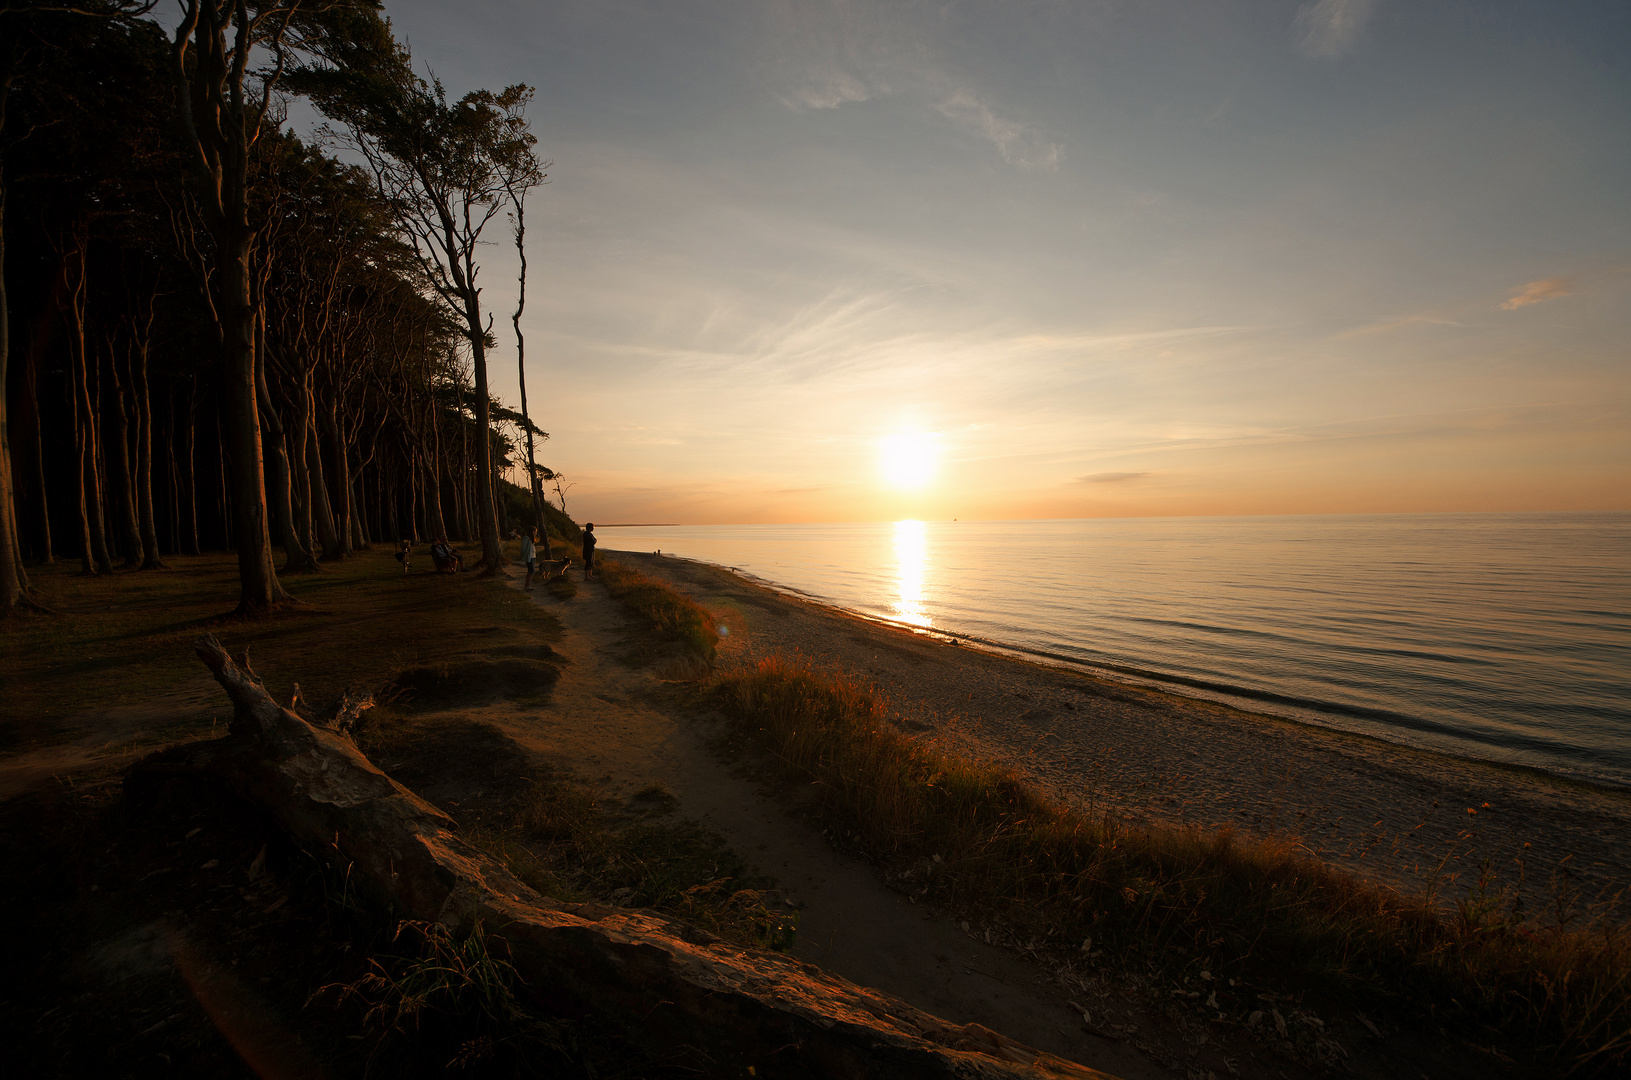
(1415, 818)
(1240, 699)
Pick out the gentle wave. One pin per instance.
(1499, 636)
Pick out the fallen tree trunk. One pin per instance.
(678, 992)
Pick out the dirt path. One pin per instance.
(607, 721)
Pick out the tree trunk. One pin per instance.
(300, 466)
(96, 548)
(296, 558)
(173, 472)
(121, 483)
(257, 580)
(87, 563)
(444, 478)
(225, 485)
(389, 494)
(435, 523)
(519, 199)
(338, 487)
(33, 383)
(413, 495)
(458, 481)
(189, 477)
(321, 514)
(11, 579)
(146, 518)
(486, 513)
(359, 514)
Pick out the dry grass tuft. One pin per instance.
(973, 838)
(669, 611)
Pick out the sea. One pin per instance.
(1502, 637)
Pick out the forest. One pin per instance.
(215, 335)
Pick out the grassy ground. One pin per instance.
(123, 642)
(172, 930)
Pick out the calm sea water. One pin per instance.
(1499, 636)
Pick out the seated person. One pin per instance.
(446, 560)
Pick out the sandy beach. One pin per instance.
(1414, 819)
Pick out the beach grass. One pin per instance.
(1199, 908)
(668, 611)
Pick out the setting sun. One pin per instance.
(908, 460)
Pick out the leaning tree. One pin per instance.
(447, 169)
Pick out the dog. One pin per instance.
(552, 568)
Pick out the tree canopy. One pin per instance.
(235, 339)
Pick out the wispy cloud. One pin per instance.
(1110, 477)
(828, 90)
(828, 53)
(1019, 143)
(1330, 28)
(1537, 292)
(1424, 319)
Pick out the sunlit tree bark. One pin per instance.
(222, 118)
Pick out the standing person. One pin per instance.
(589, 552)
(529, 555)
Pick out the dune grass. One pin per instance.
(670, 612)
(1177, 902)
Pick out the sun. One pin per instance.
(908, 460)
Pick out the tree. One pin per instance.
(362, 386)
(19, 39)
(518, 198)
(446, 169)
(223, 116)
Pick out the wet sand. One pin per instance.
(1416, 820)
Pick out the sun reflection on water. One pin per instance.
(910, 560)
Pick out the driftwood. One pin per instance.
(677, 991)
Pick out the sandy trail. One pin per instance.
(1387, 812)
(606, 721)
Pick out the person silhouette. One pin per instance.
(529, 555)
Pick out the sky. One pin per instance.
(824, 260)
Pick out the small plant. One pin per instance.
(768, 925)
(450, 1005)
